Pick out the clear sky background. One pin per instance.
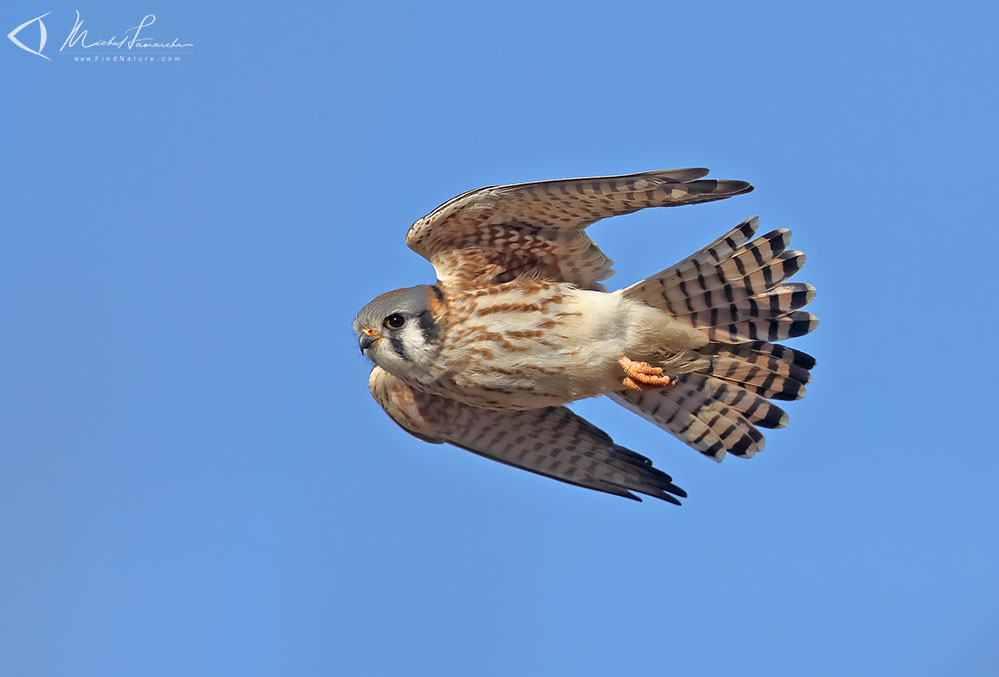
(195, 481)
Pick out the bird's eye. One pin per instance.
(394, 321)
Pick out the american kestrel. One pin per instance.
(518, 324)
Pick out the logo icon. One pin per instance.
(41, 30)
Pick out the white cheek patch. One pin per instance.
(415, 345)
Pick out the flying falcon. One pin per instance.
(518, 324)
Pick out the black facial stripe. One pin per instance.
(438, 293)
(398, 347)
(428, 326)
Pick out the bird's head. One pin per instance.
(401, 331)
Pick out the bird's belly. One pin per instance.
(538, 354)
(544, 377)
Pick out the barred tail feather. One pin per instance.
(734, 290)
(717, 251)
(789, 326)
(690, 414)
(773, 356)
(753, 407)
(757, 372)
(718, 409)
(762, 259)
(738, 305)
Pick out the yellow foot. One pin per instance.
(643, 376)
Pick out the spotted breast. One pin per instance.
(530, 343)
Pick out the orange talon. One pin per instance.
(643, 376)
(631, 384)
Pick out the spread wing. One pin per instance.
(553, 441)
(496, 233)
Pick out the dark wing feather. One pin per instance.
(495, 233)
(553, 442)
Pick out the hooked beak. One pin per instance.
(367, 339)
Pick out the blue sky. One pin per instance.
(195, 481)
